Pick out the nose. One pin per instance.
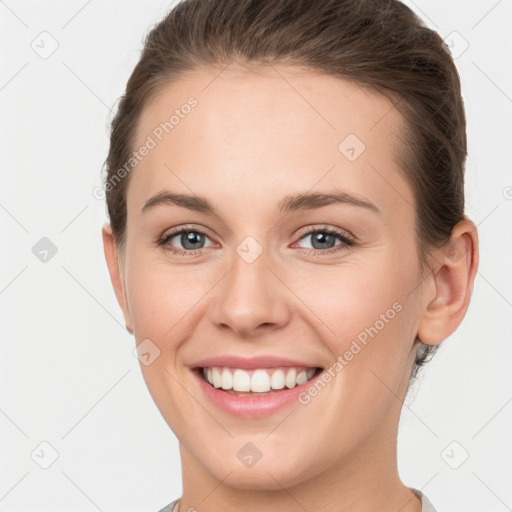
(251, 299)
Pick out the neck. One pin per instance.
(365, 479)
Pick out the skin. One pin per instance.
(256, 136)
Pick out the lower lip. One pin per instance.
(248, 406)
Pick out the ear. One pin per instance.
(452, 279)
(115, 269)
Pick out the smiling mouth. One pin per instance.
(256, 382)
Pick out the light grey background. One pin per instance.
(68, 376)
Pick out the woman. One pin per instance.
(250, 136)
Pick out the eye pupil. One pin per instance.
(323, 238)
(191, 237)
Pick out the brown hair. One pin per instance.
(380, 44)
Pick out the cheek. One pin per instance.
(160, 296)
(367, 316)
(351, 297)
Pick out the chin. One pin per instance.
(270, 475)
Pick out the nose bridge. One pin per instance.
(251, 296)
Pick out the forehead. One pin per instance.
(266, 130)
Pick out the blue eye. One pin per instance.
(323, 240)
(192, 241)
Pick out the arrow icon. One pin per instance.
(351, 147)
(44, 455)
(249, 455)
(249, 249)
(146, 352)
(44, 250)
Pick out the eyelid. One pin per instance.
(325, 227)
(186, 227)
(347, 240)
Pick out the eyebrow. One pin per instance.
(291, 203)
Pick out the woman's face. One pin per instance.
(267, 275)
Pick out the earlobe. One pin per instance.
(116, 274)
(452, 279)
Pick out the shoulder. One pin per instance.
(170, 507)
(425, 502)
(426, 506)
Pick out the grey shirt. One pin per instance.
(426, 506)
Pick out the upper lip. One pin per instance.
(248, 363)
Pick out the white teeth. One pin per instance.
(257, 381)
(241, 381)
(226, 379)
(277, 380)
(291, 378)
(301, 378)
(260, 382)
(217, 379)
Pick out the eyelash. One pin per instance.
(347, 241)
